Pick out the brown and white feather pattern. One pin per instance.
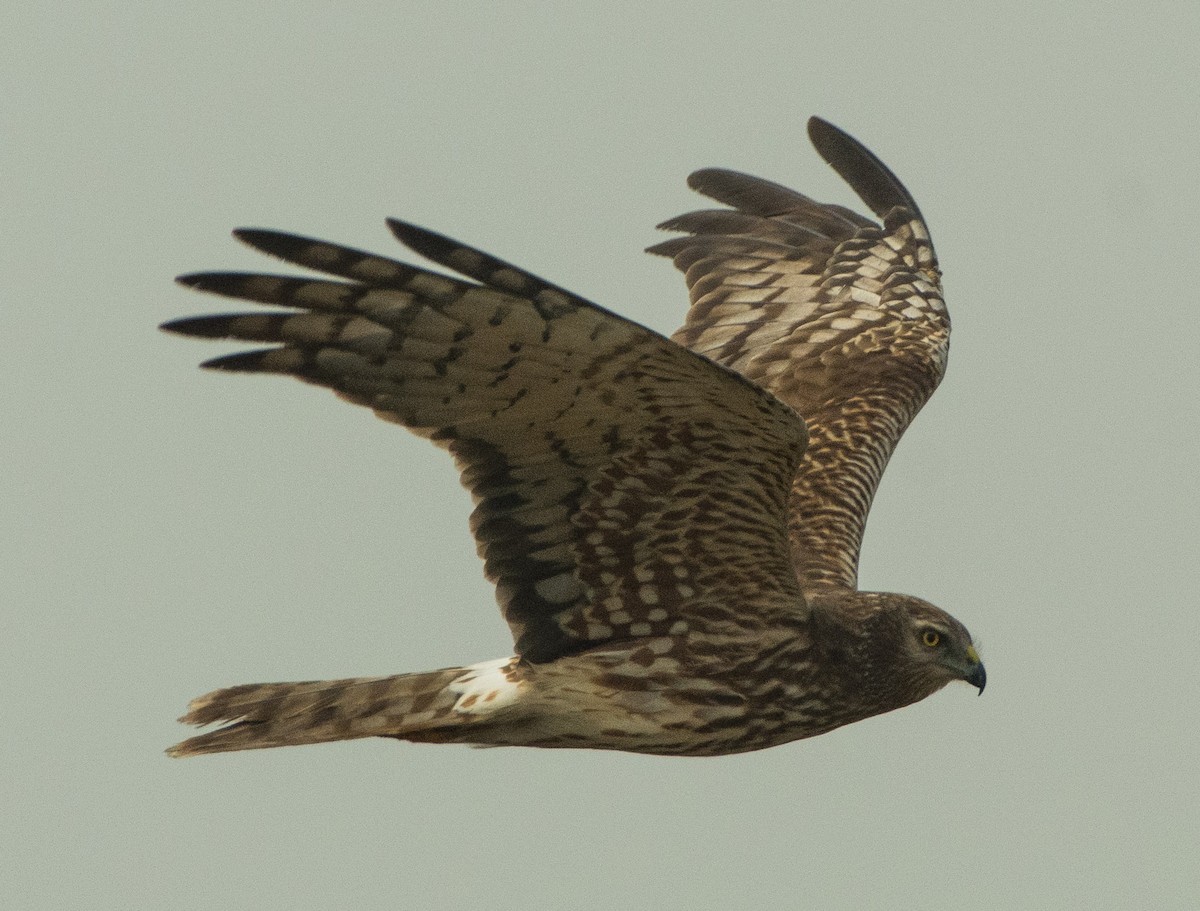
(632, 496)
(838, 316)
(574, 429)
(626, 488)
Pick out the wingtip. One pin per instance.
(825, 135)
(819, 124)
(399, 227)
(224, 284)
(702, 180)
(430, 244)
(249, 236)
(867, 175)
(830, 141)
(194, 326)
(279, 244)
(241, 362)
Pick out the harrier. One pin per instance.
(672, 525)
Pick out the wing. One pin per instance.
(838, 316)
(624, 486)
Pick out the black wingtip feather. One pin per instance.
(459, 257)
(196, 327)
(242, 362)
(474, 263)
(192, 279)
(255, 287)
(452, 254)
(433, 246)
(225, 284)
(745, 192)
(279, 244)
(869, 177)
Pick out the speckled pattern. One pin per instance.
(839, 317)
(673, 548)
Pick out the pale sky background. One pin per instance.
(164, 531)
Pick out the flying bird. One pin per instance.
(672, 525)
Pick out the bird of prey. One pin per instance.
(672, 525)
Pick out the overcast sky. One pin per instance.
(165, 531)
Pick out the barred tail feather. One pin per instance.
(261, 715)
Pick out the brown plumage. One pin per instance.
(674, 549)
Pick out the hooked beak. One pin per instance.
(975, 675)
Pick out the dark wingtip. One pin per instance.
(242, 362)
(192, 279)
(819, 129)
(745, 192)
(194, 326)
(474, 263)
(430, 244)
(704, 177)
(279, 244)
(226, 284)
(869, 177)
(667, 248)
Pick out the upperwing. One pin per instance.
(624, 486)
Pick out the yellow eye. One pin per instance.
(931, 638)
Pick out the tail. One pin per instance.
(261, 715)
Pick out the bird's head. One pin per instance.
(935, 648)
(894, 649)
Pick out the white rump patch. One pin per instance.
(485, 688)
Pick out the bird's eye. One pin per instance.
(931, 638)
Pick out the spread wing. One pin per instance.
(838, 316)
(624, 486)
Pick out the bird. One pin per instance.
(672, 524)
